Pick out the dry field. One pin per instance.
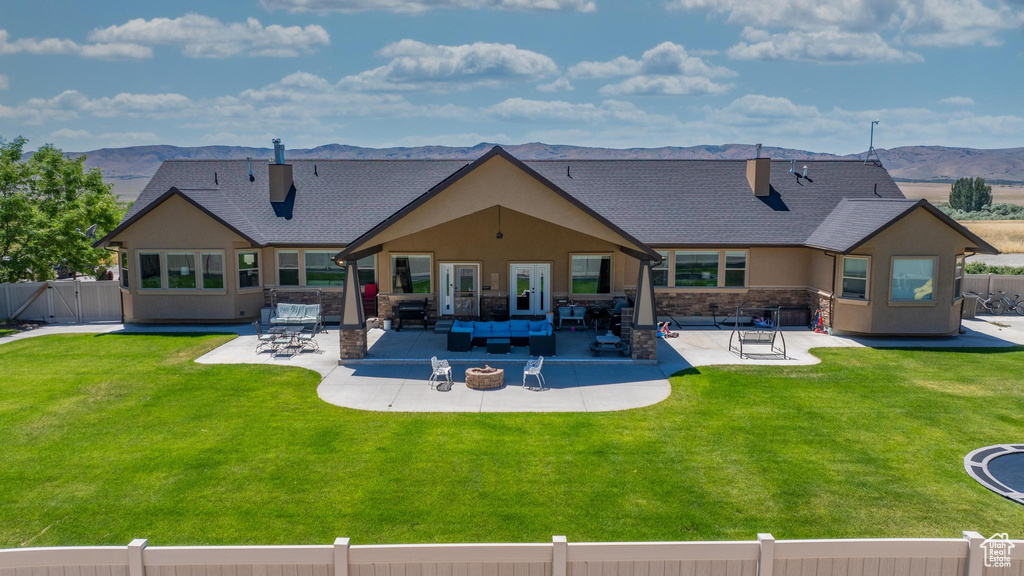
(1006, 235)
(936, 193)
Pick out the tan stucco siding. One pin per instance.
(498, 182)
(178, 225)
(471, 239)
(767, 267)
(917, 234)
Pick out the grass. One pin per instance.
(7, 332)
(869, 443)
(1005, 235)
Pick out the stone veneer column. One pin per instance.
(643, 341)
(352, 332)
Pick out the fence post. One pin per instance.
(766, 560)
(341, 557)
(559, 556)
(135, 565)
(78, 301)
(975, 555)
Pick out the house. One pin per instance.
(217, 240)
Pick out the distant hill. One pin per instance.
(130, 168)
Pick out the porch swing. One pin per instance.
(288, 314)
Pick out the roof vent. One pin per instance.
(759, 171)
(281, 183)
(805, 170)
(792, 166)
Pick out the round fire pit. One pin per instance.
(485, 378)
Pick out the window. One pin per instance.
(913, 279)
(123, 256)
(248, 269)
(321, 270)
(855, 277)
(736, 269)
(958, 277)
(181, 270)
(212, 268)
(149, 271)
(660, 271)
(288, 268)
(696, 269)
(591, 274)
(410, 274)
(367, 270)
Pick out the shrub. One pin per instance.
(970, 194)
(982, 268)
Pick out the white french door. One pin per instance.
(460, 292)
(530, 289)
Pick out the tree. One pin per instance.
(47, 205)
(970, 194)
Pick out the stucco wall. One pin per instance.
(177, 224)
(918, 234)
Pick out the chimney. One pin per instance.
(759, 171)
(280, 174)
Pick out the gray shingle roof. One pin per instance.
(855, 219)
(660, 202)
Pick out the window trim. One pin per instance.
(201, 270)
(124, 271)
(298, 268)
(167, 277)
(719, 280)
(303, 281)
(666, 261)
(959, 265)
(867, 278)
(160, 259)
(723, 263)
(259, 269)
(935, 284)
(611, 274)
(391, 274)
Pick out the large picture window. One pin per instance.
(410, 274)
(288, 268)
(149, 271)
(913, 279)
(591, 274)
(123, 256)
(367, 270)
(321, 270)
(855, 277)
(659, 273)
(249, 269)
(696, 269)
(181, 270)
(735, 269)
(212, 269)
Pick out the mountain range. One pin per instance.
(131, 167)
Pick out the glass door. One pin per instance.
(459, 288)
(531, 287)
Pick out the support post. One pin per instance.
(559, 556)
(352, 331)
(135, 565)
(643, 336)
(766, 561)
(341, 557)
(975, 554)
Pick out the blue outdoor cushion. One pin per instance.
(463, 324)
(462, 329)
(519, 325)
(481, 329)
(538, 325)
(501, 326)
(540, 333)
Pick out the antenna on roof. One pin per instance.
(215, 178)
(871, 146)
(251, 177)
(567, 173)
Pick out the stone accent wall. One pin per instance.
(331, 301)
(386, 306)
(822, 301)
(353, 343)
(683, 303)
(626, 316)
(643, 344)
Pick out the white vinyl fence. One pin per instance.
(985, 283)
(61, 301)
(763, 557)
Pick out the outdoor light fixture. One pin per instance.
(499, 235)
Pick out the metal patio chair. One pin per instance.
(533, 369)
(263, 341)
(440, 368)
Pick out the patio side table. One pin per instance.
(499, 345)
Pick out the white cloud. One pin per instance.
(454, 140)
(515, 109)
(205, 37)
(70, 134)
(5, 82)
(101, 51)
(560, 84)
(828, 45)
(424, 5)
(915, 22)
(957, 101)
(416, 66)
(665, 69)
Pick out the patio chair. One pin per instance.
(263, 341)
(440, 368)
(533, 369)
(307, 341)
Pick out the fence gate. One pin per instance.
(61, 301)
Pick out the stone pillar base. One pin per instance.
(643, 344)
(353, 343)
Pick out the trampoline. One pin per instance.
(999, 468)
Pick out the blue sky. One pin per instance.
(797, 73)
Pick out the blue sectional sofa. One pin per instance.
(466, 334)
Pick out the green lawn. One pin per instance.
(7, 332)
(107, 438)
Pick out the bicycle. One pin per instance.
(1016, 304)
(994, 306)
